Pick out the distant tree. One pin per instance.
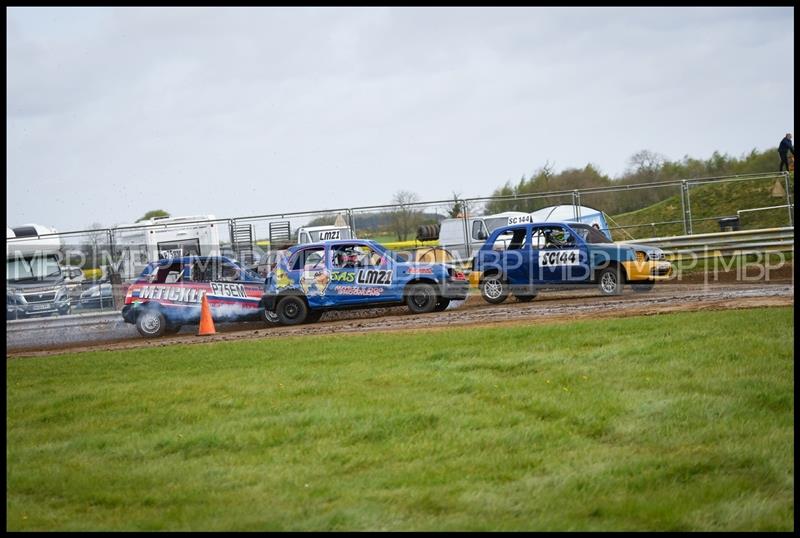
(404, 219)
(646, 161)
(457, 208)
(94, 246)
(154, 213)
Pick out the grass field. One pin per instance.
(669, 422)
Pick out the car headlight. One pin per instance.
(61, 294)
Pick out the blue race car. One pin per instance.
(333, 275)
(523, 258)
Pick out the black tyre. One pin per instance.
(313, 316)
(173, 329)
(642, 287)
(151, 323)
(442, 305)
(421, 298)
(269, 317)
(525, 298)
(494, 289)
(292, 310)
(610, 281)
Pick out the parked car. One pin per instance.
(98, 296)
(332, 275)
(169, 292)
(524, 258)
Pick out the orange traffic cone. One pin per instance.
(206, 322)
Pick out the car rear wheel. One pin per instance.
(269, 317)
(421, 298)
(442, 305)
(525, 298)
(642, 287)
(610, 281)
(151, 323)
(292, 310)
(494, 289)
(173, 329)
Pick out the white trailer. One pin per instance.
(136, 245)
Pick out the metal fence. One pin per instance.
(660, 209)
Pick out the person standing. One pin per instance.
(783, 150)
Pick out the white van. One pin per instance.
(463, 237)
(34, 280)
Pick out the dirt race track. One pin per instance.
(549, 307)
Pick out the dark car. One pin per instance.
(97, 296)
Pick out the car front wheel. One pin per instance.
(494, 289)
(610, 281)
(292, 310)
(421, 298)
(151, 323)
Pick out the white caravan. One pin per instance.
(135, 245)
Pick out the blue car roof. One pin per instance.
(333, 243)
(548, 223)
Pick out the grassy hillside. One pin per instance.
(709, 202)
(671, 422)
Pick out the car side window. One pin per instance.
(479, 230)
(229, 273)
(511, 239)
(168, 274)
(202, 271)
(555, 237)
(355, 255)
(538, 239)
(309, 259)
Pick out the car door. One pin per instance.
(562, 255)
(517, 256)
(360, 274)
(309, 272)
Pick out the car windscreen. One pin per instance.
(37, 268)
(591, 235)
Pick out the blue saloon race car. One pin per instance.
(169, 294)
(333, 275)
(523, 258)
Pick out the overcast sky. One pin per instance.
(246, 111)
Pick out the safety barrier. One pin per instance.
(723, 243)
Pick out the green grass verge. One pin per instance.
(707, 201)
(670, 422)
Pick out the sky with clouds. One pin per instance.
(248, 111)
